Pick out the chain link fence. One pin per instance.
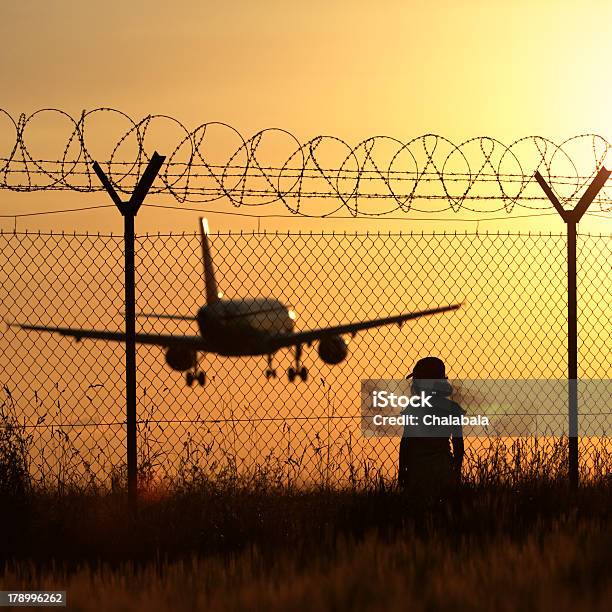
(68, 397)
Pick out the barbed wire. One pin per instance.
(262, 216)
(379, 176)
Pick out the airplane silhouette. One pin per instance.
(240, 328)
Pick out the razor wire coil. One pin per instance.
(378, 176)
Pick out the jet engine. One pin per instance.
(180, 359)
(332, 349)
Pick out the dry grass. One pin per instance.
(560, 567)
(514, 536)
(533, 546)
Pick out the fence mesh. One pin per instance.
(69, 397)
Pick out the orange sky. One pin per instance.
(348, 69)
(460, 69)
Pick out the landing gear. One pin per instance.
(191, 377)
(270, 371)
(299, 370)
(302, 373)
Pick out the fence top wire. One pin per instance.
(376, 177)
(293, 233)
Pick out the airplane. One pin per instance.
(240, 328)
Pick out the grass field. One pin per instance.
(532, 546)
(561, 566)
(512, 537)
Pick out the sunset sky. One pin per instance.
(192, 418)
(350, 70)
(459, 69)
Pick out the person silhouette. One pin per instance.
(426, 463)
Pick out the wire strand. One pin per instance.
(389, 174)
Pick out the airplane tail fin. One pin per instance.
(212, 294)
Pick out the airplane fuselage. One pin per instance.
(236, 328)
(241, 328)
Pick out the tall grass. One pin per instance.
(64, 464)
(230, 537)
(221, 506)
(561, 567)
(15, 441)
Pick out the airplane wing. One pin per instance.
(352, 328)
(195, 343)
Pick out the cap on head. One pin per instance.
(429, 368)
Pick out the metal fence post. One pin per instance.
(129, 210)
(571, 219)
